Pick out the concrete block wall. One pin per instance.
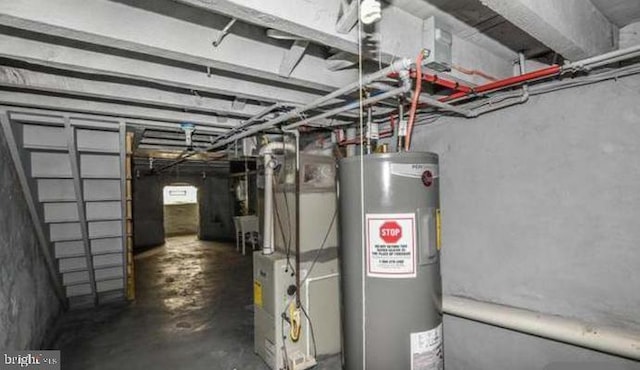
(540, 206)
(28, 305)
(181, 219)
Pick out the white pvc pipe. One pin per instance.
(599, 60)
(268, 229)
(610, 340)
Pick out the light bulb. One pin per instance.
(370, 11)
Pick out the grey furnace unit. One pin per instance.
(390, 268)
(319, 279)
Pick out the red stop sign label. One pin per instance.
(390, 232)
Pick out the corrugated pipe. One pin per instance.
(605, 339)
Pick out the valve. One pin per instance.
(188, 129)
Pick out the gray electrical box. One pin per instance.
(437, 41)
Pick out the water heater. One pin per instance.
(390, 269)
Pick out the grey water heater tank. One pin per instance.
(391, 289)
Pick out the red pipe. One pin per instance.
(464, 91)
(435, 79)
(510, 81)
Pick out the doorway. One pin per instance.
(181, 211)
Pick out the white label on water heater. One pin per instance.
(391, 245)
(414, 170)
(426, 350)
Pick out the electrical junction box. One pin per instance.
(437, 42)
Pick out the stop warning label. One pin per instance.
(390, 244)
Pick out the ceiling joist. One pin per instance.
(575, 29)
(34, 80)
(93, 62)
(132, 28)
(113, 109)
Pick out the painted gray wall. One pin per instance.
(28, 305)
(148, 224)
(216, 210)
(541, 209)
(214, 199)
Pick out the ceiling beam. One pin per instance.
(169, 142)
(251, 53)
(348, 16)
(47, 115)
(398, 34)
(315, 20)
(156, 134)
(292, 57)
(112, 109)
(630, 35)
(575, 29)
(92, 62)
(41, 81)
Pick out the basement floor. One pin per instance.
(193, 310)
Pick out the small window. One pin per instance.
(180, 194)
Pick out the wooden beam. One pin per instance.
(576, 29)
(315, 20)
(27, 99)
(98, 63)
(122, 92)
(292, 57)
(246, 51)
(398, 34)
(82, 217)
(123, 200)
(348, 16)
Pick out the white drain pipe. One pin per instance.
(615, 341)
(267, 151)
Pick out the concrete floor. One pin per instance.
(193, 311)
